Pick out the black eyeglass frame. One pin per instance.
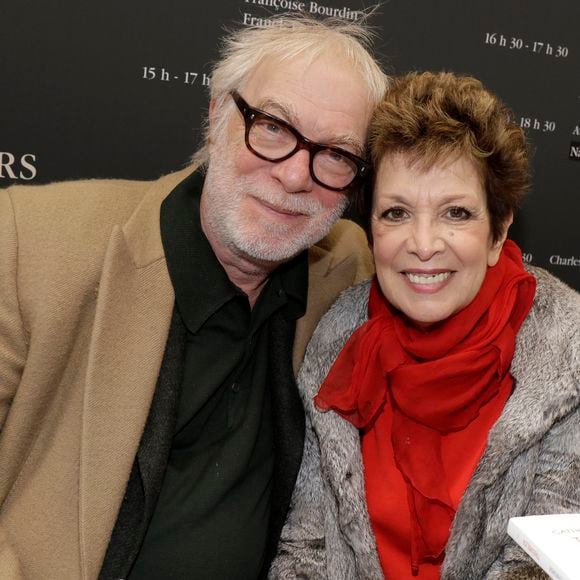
(251, 115)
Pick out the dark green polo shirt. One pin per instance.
(211, 520)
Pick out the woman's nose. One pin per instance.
(426, 239)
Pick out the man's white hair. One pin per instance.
(288, 37)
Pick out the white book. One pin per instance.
(553, 542)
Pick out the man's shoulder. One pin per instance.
(346, 241)
(344, 234)
(342, 258)
(62, 230)
(86, 205)
(76, 197)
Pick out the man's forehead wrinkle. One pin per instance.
(287, 112)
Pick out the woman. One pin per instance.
(452, 400)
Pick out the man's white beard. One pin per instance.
(225, 192)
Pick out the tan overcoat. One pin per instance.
(85, 307)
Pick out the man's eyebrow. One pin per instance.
(278, 109)
(347, 140)
(286, 113)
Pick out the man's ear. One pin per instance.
(212, 110)
(211, 115)
(495, 249)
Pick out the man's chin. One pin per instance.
(268, 255)
(269, 251)
(272, 243)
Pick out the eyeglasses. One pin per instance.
(272, 139)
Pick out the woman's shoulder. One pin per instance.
(334, 329)
(556, 305)
(551, 290)
(547, 360)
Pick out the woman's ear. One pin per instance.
(495, 249)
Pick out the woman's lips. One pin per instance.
(427, 282)
(427, 279)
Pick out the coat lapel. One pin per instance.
(144, 486)
(134, 305)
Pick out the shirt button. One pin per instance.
(235, 388)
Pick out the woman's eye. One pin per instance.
(458, 213)
(394, 214)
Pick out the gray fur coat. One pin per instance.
(531, 464)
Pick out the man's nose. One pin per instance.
(294, 173)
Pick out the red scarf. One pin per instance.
(437, 381)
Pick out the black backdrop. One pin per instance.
(91, 89)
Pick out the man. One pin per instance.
(151, 427)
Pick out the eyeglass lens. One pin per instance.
(275, 141)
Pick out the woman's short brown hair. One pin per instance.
(430, 117)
